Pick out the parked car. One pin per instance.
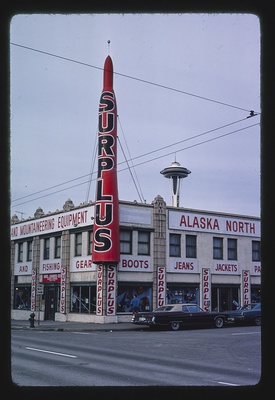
(247, 314)
(177, 316)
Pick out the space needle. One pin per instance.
(175, 173)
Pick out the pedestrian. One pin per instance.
(135, 304)
(74, 298)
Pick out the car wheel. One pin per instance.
(219, 322)
(175, 325)
(258, 321)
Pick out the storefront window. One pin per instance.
(224, 298)
(255, 294)
(83, 299)
(126, 292)
(22, 296)
(182, 294)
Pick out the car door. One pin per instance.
(185, 315)
(251, 314)
(197, 316)
(171, 313)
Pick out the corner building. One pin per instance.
(167, 254)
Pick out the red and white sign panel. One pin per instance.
(111, 289)
(226, 267)
(214, 223)
(182, 265)
(50, 267)
(23, 268)
(161, 286)
(33, 290)
(246, 287)
(82, 264)
(256, 268)
(54, 223)
(99, 291)
(206, 289)
(63, 290)
(135, 263)
(50, 278)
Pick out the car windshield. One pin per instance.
(164, 308)
(194, 308)
(249, 306)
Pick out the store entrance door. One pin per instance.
(50, 302)
(224, 298)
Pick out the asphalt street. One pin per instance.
(227, 357)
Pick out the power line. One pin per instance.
(91, 169)
(252, 114)
(52, 187)
(144, 162)
(139, 190)
(135, 78)
(195, 145)
(187, 139)
(134, 158)
(128, 166)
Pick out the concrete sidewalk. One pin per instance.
(75, 326)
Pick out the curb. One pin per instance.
(84, 329)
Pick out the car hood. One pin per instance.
(235, 312)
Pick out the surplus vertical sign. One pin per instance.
(161, 287)
(206, 289)
(63, 290)
(106, 225)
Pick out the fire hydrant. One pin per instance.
(31, 319)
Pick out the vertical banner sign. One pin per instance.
(246, 287)
(63, 290)
(99, 290)
(206, 289)
(111, 289)
(161, 288)
(33, 290)
(106, 245)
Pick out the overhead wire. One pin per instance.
(252, 114)
(137, 157)
(141, 163)
(135, 180)
(128, 166)
(91, 170)
(134, 158)
(187, 139)
(133, 78)
(196, 144)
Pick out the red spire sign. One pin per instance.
(106, 243)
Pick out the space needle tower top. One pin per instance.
(175, 173)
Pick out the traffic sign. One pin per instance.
(40, 289)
